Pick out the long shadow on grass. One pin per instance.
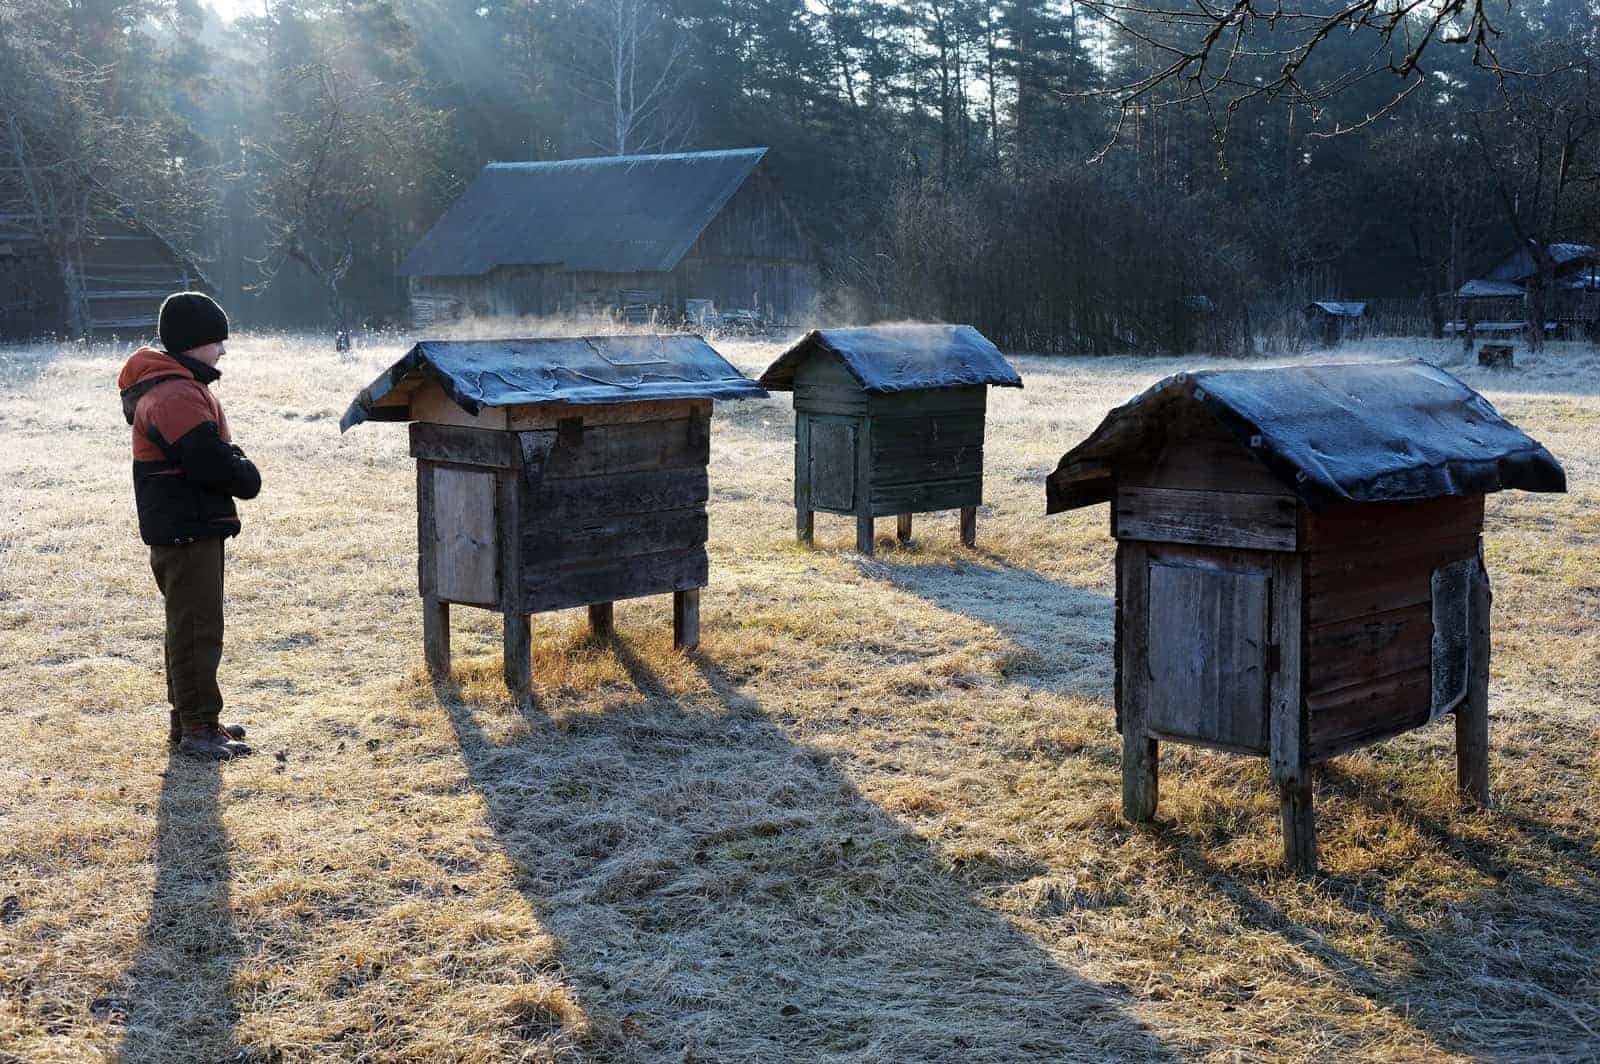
(177, 1000)
(724, 892)
(1065, 630)
(1506, 974)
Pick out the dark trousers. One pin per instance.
(190, 579)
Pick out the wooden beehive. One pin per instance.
(556, 473)
(889, 420)
(1299, 565)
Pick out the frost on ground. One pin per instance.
(873, 818)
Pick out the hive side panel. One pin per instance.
(831, 462)
(466, 545)
(927, 462)
(1370, 612)
(612, 511)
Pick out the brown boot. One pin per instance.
(209, 742)
(175, 731)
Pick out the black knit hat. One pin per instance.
(189, 320)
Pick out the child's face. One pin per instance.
(207, 354)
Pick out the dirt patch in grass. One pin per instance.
(874, 817)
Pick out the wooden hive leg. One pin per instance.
(805, 526)
(902, 528)
(686, 619)
(602, 620)
(1472, 716)
(864, 533)
(1140, 773)
(518, 654)
(1299, 825)
(969, 526)
(436, 637)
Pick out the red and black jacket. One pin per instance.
(186, 470)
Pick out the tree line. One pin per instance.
(1067, 175)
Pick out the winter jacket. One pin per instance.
(186, 469)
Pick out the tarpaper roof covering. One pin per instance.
(901, 358)
(582, 369)
(1339, 310)
(1520, 265)
(618, 214)
(1482, 289)
(1368, 432)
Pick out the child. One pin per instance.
(186, 474)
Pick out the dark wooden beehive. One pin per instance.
(889, 420)
(1299, 566)
(556, 473)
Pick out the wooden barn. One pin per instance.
(555, 473)
(108, 282)
(1299, 565)
(889, 419)
(639, 236)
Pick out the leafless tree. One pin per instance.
(630, 64)
(1223, 55)
(339, 157)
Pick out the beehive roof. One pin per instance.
(900, 358)
(1366, 432)
(567, 369)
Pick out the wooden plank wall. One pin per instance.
(1369, 587)
(617, 510)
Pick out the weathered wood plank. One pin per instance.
(600, 539)
(1140, 755)
(427, 536)
(464, 446)
(892, 436)
(802, 467)
(1351, 717)
(1287, 712)
(1207, 465)
(536, 417)
(1345, 527)
(1357, 651)
(834, 463)
(863, 485)
(905, 469)
(1208, 657)
(925, 402)
(1346, 585)
(1211, 518)
(431, 404)
(926, 496)
(466, 548)
(632, 448)
(625, 578)
(508, 501)
(584, 498)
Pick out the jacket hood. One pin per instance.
(148, 363)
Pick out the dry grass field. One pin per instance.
(875, 817)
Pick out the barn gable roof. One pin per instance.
(900, 358)
(1367, 432)
(581, 369)
(617, 214)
